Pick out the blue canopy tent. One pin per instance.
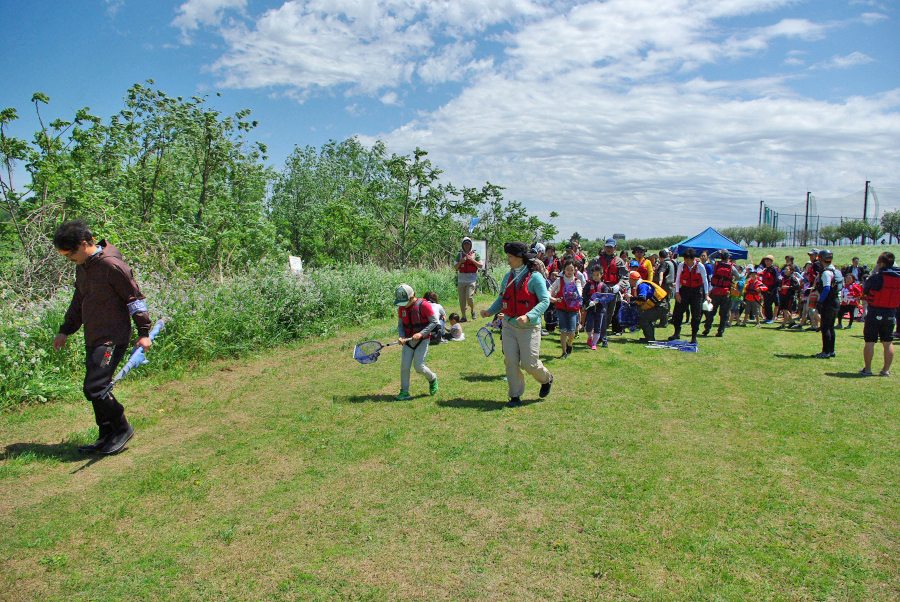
(710, 240)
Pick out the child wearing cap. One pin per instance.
(416, 320)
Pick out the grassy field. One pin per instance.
(746, 471)
(842, 255)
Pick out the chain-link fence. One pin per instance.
(813, 221)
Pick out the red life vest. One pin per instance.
(888, 296)
(785, 288)
(752, 290)
(721, 278)
(553, 266)
(569, 299)
(768, 276)
(468, 266)
(850, 295)
(610, 269)
(413, 320)
(518, 300)
(691, 276)
(594, 287)
(642, 269)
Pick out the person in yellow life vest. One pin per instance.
(651, 300)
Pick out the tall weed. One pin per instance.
(260, 306)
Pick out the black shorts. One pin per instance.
(879, 325)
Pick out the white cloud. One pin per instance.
(113, 6)
(194, 13)
(366, 46)
(872, 18)
(390, 98)
(598, 110)
(844, 62)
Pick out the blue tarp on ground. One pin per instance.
(710, 240)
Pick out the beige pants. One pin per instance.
(466, 296)
(521, 347)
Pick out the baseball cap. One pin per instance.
(610, 242)
(403, 294)
(634, 275)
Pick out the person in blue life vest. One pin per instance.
(523, 298)
(828, 284)
(416, 321)
(651, 301)
(468, 262)
(882, 291)
(724, 273)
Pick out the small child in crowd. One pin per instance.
(455, 331)
(595, 315)
(737, 295)
(753, 290)
(850, 295)
(440, 312)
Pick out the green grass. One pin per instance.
(842, 254)
(745, 471)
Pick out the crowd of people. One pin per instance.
(597, 296)
(542, 293)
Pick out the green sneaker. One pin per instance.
(432, 387)
(404, 395)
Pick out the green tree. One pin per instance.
(853, 229)
(830, 234)
(890, 223)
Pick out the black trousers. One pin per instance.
(827, 318)
(769, 299)
(844, 309)
(100, 365)
(692, 303)
(721, 305)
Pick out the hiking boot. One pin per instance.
(866, 372)
(545, 388)
(513, 402)
(432, 387)
(93, 448)
(564, 355)
(117, 442)
(404, 395)
(604, 344)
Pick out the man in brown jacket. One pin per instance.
(106, 299)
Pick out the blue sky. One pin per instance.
(643, 117)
